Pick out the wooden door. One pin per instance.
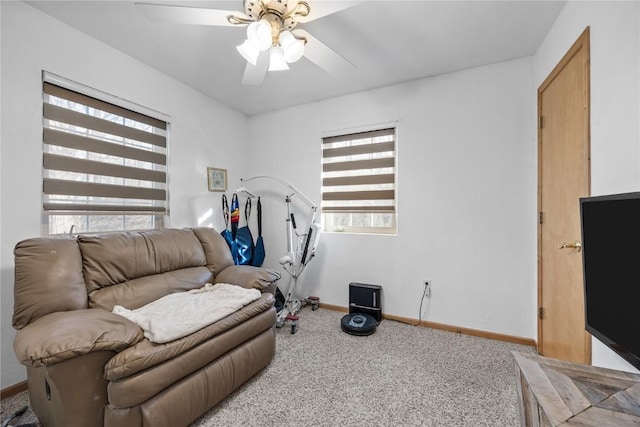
(563, 177)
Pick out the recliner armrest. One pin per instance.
(248, 276)
(67, 334)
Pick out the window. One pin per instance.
(359, 182)
(104, 166)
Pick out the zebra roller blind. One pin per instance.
(359, 182)
(101, 160)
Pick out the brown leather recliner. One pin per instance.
(89, 367)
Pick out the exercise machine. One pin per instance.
(301, 248)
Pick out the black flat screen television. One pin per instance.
(611, 264)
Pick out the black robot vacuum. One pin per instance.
(358, 324)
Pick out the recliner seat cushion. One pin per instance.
(137, 388)
(146, 354)
(184, 401)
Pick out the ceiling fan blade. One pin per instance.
(320, 8)
(187, 15)
(254, 74)
(325, 57)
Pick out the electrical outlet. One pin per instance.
(427, 287)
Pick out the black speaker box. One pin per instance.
(366, 299)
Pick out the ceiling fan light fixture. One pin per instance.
(293, 48)
(249, 52)
(276, 59)
(259, 34)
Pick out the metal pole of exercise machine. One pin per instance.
(293, 262)
(290, 225)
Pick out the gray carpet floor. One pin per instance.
(402, 375)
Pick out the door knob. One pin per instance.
(575, 245)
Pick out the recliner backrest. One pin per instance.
(111, 259)
(99, 271)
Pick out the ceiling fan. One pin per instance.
(273, 41)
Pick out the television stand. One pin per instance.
(553, 392)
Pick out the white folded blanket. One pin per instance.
(177, 315)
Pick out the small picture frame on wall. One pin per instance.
(217, 179)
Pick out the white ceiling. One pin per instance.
(387, 41)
